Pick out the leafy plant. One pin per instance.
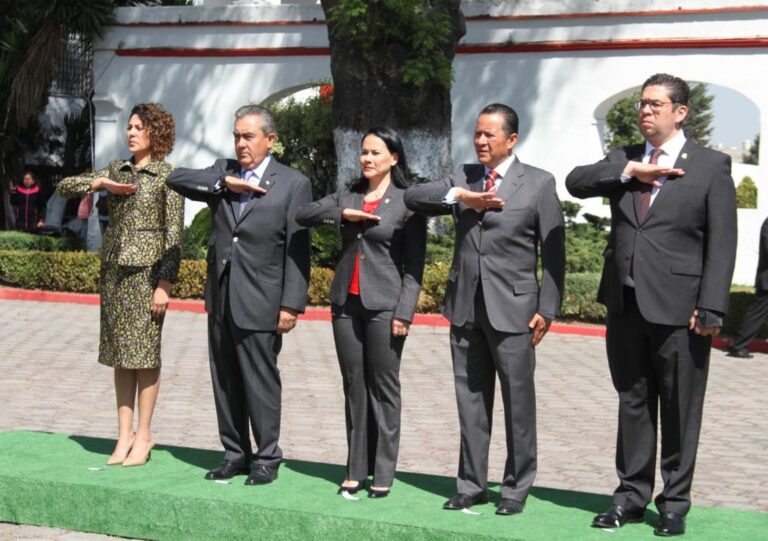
(746, 194)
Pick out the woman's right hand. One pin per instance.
(354, 215)
(116, 188)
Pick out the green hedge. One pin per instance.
(79, 272)
(16, 240)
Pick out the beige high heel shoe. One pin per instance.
(116, 459)
(132, 460)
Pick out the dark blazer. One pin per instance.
(761, 278)
(392, 251)
(501, 247)
(266, 251)
(684, 251)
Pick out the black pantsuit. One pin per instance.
(391, 261)
(369, 358)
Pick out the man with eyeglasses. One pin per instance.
(666, 282)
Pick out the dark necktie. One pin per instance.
(645, 192)
(490, 181)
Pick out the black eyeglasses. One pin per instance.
(656, 106)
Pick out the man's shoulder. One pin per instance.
(534, 172)
(285, 171)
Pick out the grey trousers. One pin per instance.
(480, 352)
(246, 386)
(369, 358)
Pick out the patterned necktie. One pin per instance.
(490, 181)
(645, 192)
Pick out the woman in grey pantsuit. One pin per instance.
(373, 295)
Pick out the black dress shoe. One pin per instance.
(740, 353)
(670, 523)
(509, 507)
(352, 490)
(261, 474)
(226, 470)
(616, 517)
(465, 501)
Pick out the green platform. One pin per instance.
(59, 480)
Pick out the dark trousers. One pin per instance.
(369, 358)
(756, 313)
(480, 353)
(658, 371)
(246, 386)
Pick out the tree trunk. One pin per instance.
(365, 96)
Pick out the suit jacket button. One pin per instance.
(234, 239)
(223, 261)
(362, 256)
(359, 235)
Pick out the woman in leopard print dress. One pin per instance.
(140, 256)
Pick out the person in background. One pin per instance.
(140, 258)
(757, 310)
(29, 204)
(374, 294)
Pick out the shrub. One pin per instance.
(326, 246)
(433, 287)
(57, 271)
(584, 249)
(194, 241)
(746, 194)
(319, 286)
(440, 247)
(16, 240)
(190, 283)
(579, 298)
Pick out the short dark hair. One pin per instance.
(159, 125)
(511, 120)
(678, 89)
(267, 120)
(400, 175)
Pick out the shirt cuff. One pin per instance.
(450, 197)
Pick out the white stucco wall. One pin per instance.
(560, 95)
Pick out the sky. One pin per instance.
(737, 118)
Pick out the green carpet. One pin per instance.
(59, 480)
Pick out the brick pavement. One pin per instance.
(51, 381)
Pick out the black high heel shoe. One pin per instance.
(378, 493)
(352, 490)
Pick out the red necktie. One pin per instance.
(645, 192)
(490, 181)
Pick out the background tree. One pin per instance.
(746, 194)
(391, 65)
(753, 156)
(621, 120)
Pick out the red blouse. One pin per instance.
(354, 283)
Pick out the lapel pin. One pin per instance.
(267, 183)
(386, 200)
(684, 155)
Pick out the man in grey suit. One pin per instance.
(258, 271)
(666, 282)
(757, 310)
(506, 214)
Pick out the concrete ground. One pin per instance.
(51, 381)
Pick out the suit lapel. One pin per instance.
(682, 162)
(268, 180)
(386, 200)
(233, 199)
(635, 155)
(512, 180)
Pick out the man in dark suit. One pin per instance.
(258, 271)
(757, 310)
(666, 282)
(506, 214)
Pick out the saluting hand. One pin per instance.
(479, 201)
(116, 188)
(354, 215)
(238, 185)
(649, 173)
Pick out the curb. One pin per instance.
(324, 314)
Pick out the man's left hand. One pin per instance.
(286, 321)
(693, 325)
(539, 326)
